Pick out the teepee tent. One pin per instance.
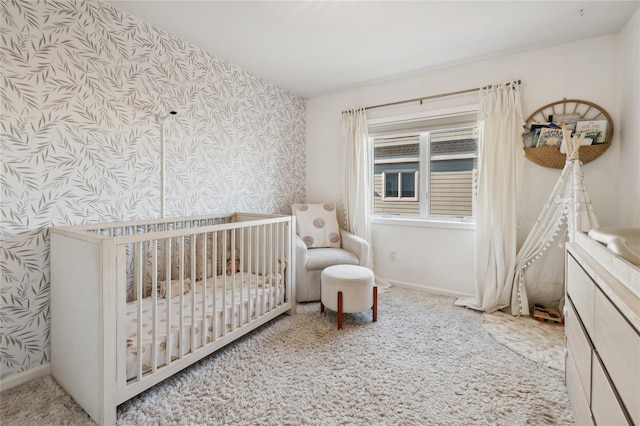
(539, 272)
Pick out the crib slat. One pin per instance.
(257, 270)
(270, 260)
(181, 296)
(249, 274)
(264, 269)
(242, 318)
(214, 285)
(224, 284)
(233, 281)
(167, 296)
(139, 263)
(283, 264)
(262, 248)
(268, 264)
(193, 246)
(281, 258)
(274, 267)
(154, 307)
(121, 333)
(205, 272)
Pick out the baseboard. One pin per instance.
(428, 289)
(25, 376)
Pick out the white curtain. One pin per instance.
(357, 184)
(500, 117)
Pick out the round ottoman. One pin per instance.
(348, 288)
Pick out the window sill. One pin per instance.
(462, 224)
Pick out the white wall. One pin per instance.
(437, 259)
(629, 193)
(585, 70)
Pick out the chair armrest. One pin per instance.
(300, 270)
(358, 246)
(301, 251)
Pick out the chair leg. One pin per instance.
(339, 310)
(375, 303)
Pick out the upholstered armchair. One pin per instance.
(319, 244)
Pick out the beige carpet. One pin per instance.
(425, 362)
(541, 342)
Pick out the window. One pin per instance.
(396, 174)
(400, 185)
(453, 163)
(428, 172)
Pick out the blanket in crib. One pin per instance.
(247, 299)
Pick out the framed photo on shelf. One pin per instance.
(591, 126)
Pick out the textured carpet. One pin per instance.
(425, 362)
(541, 342)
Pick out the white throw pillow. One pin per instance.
(317, 224)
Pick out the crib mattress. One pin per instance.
(252, 297)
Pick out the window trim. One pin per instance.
(461, 224)
(423, 115)
(423, 218)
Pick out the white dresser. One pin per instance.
(602, 326)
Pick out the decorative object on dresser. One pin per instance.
(545, 146)
(625, 242)
(107, 298)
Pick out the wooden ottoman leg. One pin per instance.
(321, 308)
(375, 303)
(339, 310)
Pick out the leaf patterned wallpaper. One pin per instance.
(82, 86)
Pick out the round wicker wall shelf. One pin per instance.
(550, 156)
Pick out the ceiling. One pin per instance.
(313, 48)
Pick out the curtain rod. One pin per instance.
(442, 95)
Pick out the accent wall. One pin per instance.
(83, 85)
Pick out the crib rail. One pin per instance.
(186, 289)
(174, 290)
(98, 231)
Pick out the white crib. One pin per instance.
(132, 303)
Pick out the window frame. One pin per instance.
(416, 185)
(423, 174)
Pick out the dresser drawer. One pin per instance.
(579, 348)
(577, 396)
(618, 345)
(581, 291)
(604, 404)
